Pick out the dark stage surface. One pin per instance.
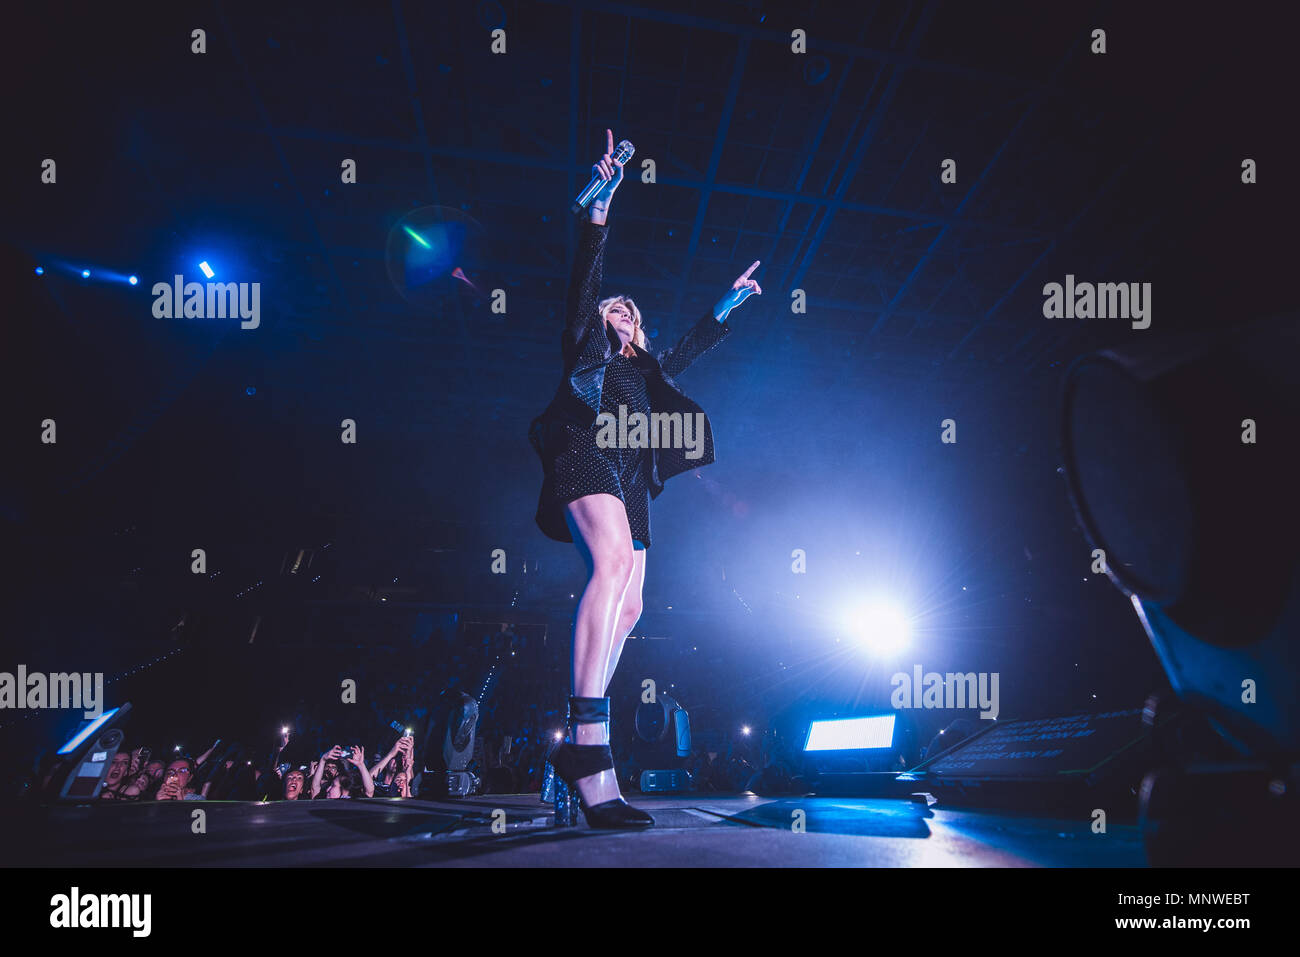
(692, 830)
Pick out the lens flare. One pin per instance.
(431, 255)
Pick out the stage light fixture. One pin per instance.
(207, 270)
(662, 743)
(851, 755)
(449, 747)
(94, 725)
(851, 734)
(90, 753)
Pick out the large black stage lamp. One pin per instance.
(449, 747)
(1181, 459)
(662, 743)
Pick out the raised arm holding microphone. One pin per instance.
(596, 492)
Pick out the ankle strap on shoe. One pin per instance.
(588, 710)
(573, 761)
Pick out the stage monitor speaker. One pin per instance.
(1060, 765)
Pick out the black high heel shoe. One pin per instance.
(569, 762)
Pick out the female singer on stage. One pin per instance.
(599, 497)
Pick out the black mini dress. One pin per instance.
(599, 379)
(582, 467)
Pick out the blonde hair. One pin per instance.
(638, 335)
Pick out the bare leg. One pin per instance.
(600, 531)
(629, 615)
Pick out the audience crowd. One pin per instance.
(328, 753)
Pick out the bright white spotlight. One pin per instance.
(745, 730)
(207, 270)
(881, 627)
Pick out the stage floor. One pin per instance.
(692, 830)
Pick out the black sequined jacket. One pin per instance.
(588, 345)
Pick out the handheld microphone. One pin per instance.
(623, 152)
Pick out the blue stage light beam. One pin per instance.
(98, 273)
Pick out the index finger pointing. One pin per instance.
(745, 274)
(609, 138)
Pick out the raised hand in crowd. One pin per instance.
(198, 762)
(358, 760)
(328, 761)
